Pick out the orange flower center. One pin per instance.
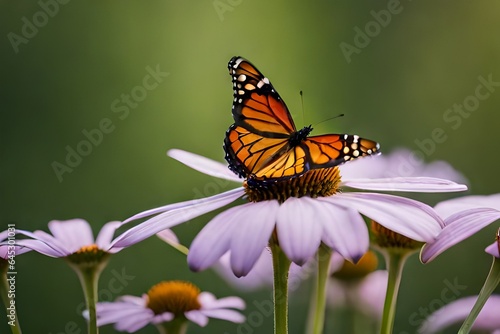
(175, 297)
(313, 183)
(350, 271)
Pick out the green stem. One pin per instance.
(489, 286)
(4, 292)
(323, 257)
(88, 273)
(395, 263)
(281, 265)
(176, 326)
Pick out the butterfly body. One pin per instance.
(263, 144)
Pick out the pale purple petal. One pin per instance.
(494, 249)
(6, 248)
(408, 217)
(254, 223)
(73, 233)
(408, 184)
(449, 207)
(127, 316)
(134, 322)
(371, 293)
(105, 236)
(197, 317)
(169, 237)
(204, 165)
(142, 301)
(213, 240)
(164, 317)
(400, 162)
(208, 302)
(4, 235)
(459, 226)
(184, 205)
(299, 232)
(229, 315)
(261, 274)
(457, 311)
(344, 230)
(181, 213)
(41, 247)
(48, 239)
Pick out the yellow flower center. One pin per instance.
(386, 238)
(349, 271)
(314, 183)
(175, 297)
(88, 255)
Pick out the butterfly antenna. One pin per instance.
(302, 102)
(329, 119)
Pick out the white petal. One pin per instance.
(229, 315)
(204, 165)
(213, 240)
(184, 205)
(73, 233)
(208, 302)
(197, 317)
(459, 227)
(164, 317)
(408, 217)
(298, 228)
(371, 293)
(169, 237)
(449, 207)
(126, 316)
(399, 162)
(105, 236)
(188, 210)
(58, 249)
(494, 249)
(134, 322)
(344, 230)
(457, 311)
(410, 184)
(254, 223)
(41, 247)
(261, 274)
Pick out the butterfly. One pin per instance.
(263, 144)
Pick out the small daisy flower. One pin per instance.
(463, 217)
(168, 304)
(304, 212)
(73, 241)
(71, 238)
(456, 312)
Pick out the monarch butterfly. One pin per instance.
(263, 144)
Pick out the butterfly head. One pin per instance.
(297, 137)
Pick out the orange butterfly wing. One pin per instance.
(264, 144)
(256, 105)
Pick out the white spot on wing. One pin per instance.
(237, 62)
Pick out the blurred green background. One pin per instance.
(65, 78)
